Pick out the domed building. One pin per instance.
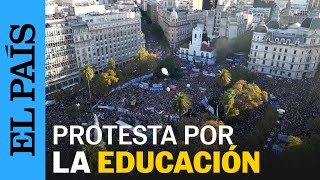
(289, 53)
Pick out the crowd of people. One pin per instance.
(299, 99)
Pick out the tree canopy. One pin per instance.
(242, 96)
(181, 103)
(143, 63)
(171, 65)
(224, 77)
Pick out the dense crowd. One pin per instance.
(299, 99)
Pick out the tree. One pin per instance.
(293, 141)
(242, 96)
(111, 64)
(240, 73)
(91, 152)
(171, 65)
(143, 63)
(88, 74)
(108, 79)
(224, 77)
(181, 103)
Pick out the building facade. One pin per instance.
(230, 22)
(197, 50)
(290, 53)
(91, 39)
(62, 70)
(152, 10)
(177, 23)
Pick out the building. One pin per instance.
(230, 22)
(62, 70)
(197, 50)
(282, 3)
(196, 4)
(152, 10)
(115, 36)
(297, 6)
(261, 12)
(93, 39)
(144, 4)
(290, 53)
(177, 23)
(78, 2)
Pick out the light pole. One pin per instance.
(78, 106)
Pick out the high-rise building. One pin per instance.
(62, 70)
(93, 39)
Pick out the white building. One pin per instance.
(261, 12)
(177, 23)
(230, 22)
(91, 39)
(78, 2)
(197, 50)
(289, 53)
(196, 4)
(298, 6)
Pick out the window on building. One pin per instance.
(266, 48)
(262, 69)
(285, 50)
(263, 62)
(265, 55)
(289, 74)
(284, 58)
(295, 52)
(291, 66)
(274, 49)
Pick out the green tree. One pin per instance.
(293, 141)
(143, 63)
(181, 103)
(224, 77)
(111, 64)
(107, 80)
(171, 65)
(242, 96)
(88, 73)
(241, 73)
